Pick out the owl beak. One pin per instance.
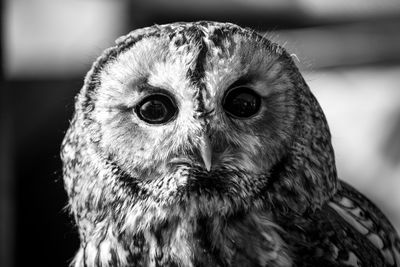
(206, 152)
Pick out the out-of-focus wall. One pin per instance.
(349, 52)
(354, 71)
(362, 106)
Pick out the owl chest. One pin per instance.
(204, 246)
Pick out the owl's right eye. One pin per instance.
(156, 109)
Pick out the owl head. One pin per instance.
(198, 118)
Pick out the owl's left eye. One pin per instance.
(241, 102)
(156, 109)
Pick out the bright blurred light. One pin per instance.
(58, 38)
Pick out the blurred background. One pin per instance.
(349, 52)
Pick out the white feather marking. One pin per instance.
(387, 253)
(353, 260)
(349, 218)
(376, 240)
(295, 57)
(344, 201)
(78, 260)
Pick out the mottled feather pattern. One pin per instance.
(142, 196)
(347, 231)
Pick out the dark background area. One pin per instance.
(351, 52)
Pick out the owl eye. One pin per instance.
(156, 109)
(241, 102)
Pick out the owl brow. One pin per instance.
(141, 84)
(145, 87)
(244, 80)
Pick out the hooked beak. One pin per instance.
(206, 153)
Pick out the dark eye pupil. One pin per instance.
(242, 102)
(156, 108)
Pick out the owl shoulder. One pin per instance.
(349, 230)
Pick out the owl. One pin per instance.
(200, 144)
